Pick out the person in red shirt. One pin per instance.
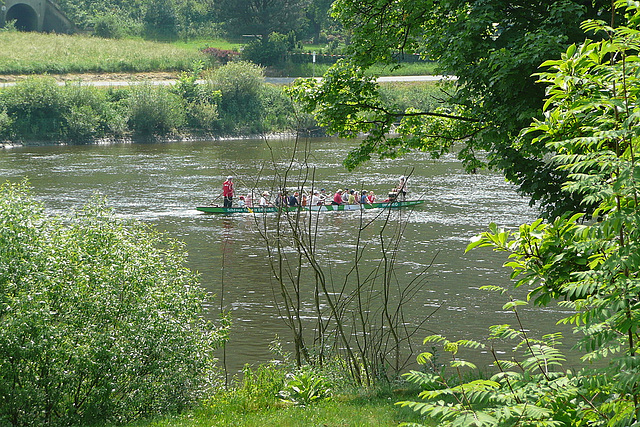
(227, 192)
(337, 198)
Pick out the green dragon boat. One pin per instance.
(323, 208)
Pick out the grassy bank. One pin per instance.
(39, 111)
(327, 398)
(35, 53)
(341, 411)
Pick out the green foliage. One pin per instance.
(39, 109)
(305, 387)
(112, 25)
(5, 123)
(492, 47)
(9, 26)
(201, 100)
(270, 51)
(154, 111)
(261, 18)
(100, 319)
(260, 385)
(36, 108)
(241, 85)
(590, 121)
(236, 406)
(161, 20)
(348, 102)
(279, 112)
(236, 101)
(421, 96)
(256, 390)
(202, 19)
(526, 390)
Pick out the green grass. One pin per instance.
(197, 45)
(252, 402)
(340, 411)
(35, 53)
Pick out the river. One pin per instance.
(161, 183)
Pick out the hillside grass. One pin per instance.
(36, 53)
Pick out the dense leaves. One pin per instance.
(100, 320)
(246, 102)
(493, 48)
(259, 18)
(164, 19)
(186, 19)
(592, 267)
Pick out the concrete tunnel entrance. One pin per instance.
(26, 18)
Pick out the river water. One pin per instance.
(162, 183)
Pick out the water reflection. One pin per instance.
(162, 183)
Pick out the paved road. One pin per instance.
(273, 80)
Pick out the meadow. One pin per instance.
(36, 53)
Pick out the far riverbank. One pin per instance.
(48, 110)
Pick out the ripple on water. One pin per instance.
(162, 183)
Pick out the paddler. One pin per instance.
(227, 192)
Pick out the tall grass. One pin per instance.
(35, 53)
(198, 44)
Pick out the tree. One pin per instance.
(492, 47)
(318, 17)
(590, 122)
(161, 20)
(260, 18)
(100, 320)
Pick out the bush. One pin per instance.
(5, 123)
(88, 115)
(304, 387)
(201, 100)
(82, 123)
(37, 107)
(270, 51)
(277, 110)
(100, 320)
(109, 26)
(422, 96)
(221, 56)
(154, 110)
(241, 85)
(233, 100)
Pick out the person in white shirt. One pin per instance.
(264, 200)
(316, 199)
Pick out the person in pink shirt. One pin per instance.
(337, 198)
